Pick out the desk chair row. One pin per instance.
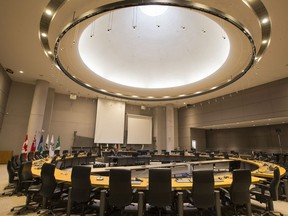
(159, 197)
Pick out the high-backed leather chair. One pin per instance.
(15, 160)
(30, 156)
(50, 190)
(202, 192)
(203, 196)
(120, 193)
(160, 189)
(81, 192)
(27, 185)
(120, 189)
(267, 193)
(12, 179)
(238, 193)
(23, 157)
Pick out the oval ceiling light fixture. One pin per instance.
(232, 29)
(184, 58)
(153, 10)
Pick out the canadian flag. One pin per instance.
(25, 145)
(33, 146)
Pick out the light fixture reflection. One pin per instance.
(153, 10)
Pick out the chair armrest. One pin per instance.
(225, 196)
(262, 186)
(134, 191)
(28, 181)
(223, 190)
(188, 192)
(95, 189)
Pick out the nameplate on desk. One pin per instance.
(219, 180)
(179, 180)
(136, 182)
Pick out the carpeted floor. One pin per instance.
(8, 202)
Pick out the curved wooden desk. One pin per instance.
(223, 181)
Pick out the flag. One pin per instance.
(58, 144)
(46, 147)
(25, 145)
(51, 148)
(40, 144)
(33, 146)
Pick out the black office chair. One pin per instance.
(233, 165)
(45, 153)
(120, 193)
(50, 190)
(57, 152)
(12, 180)
(238, 193)
(27, 185)
(37, 155)
(264, 193)
(81, 191)
(202, 195)
(15, 162)
(30, 156)
(65, 152)
(23, 157)
(160, 194)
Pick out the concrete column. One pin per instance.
(37, 111)
(170, 128)
(159, 128)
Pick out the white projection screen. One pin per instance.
(110, 119)
(139, 129)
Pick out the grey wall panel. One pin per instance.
(5, 83)
(262, 102)
(16, 119)
(72, 115)
(246, 140)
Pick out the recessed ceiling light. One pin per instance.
(48, 12)
(265, 20)
(21, 72)
(43, 34)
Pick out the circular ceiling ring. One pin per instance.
(256, 6)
